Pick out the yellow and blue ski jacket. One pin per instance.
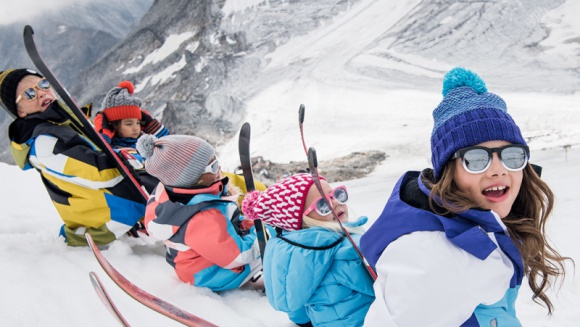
(88, 192)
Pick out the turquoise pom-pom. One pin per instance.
(458, 77)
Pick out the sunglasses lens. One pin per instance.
(476, 160)
(322, 208)
(341, 195)
(215, 166)
(514, 157)
(43, 84)
(29, 94)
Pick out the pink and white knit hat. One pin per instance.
(282, 204)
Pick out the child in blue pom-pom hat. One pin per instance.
(453, 244)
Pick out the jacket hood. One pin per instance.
(22, 131)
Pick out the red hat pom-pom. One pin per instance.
(127, 85)
(249, 203)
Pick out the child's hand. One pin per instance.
(241, 225)
(149, 124)
(246, 224)
(103, 126)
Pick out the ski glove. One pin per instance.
(241, 225)
(149, 124)
(104, 127)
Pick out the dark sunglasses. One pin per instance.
(30, 93)
(477, 159)
(213, 167)
(339, 194)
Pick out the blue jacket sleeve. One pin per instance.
(299, 316)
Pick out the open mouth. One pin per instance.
(46, 103)
(495, 192)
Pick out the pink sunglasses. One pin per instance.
(339, 194)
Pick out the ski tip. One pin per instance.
(28, 30)
(301, 113)
(246, 128)
(312, 157)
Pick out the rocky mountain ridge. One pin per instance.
(196, 64)
(71, 39)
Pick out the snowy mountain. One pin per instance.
(71, 38)
(362, 89)
(198, 64)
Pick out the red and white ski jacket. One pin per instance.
(203, 245)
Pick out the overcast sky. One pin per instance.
(15, 10)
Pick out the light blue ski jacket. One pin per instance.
(316, 275)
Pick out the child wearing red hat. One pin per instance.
(122, 121)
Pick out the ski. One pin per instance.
(78, 116)
(245, 160)
(246, 163)
(141, 296)
(313, 165)
(301, 113)
(106, 299)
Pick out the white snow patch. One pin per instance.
(192, 47)
(563, 25)
(163, 75)
(233, 6)
(172, 43)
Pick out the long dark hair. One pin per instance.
(526, 223)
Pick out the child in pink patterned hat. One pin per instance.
(311, 271)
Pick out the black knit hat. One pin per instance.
(9, 80)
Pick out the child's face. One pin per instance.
(42, 100)
(129, 127)
(208, 179)
(313, 195)
(479, 186)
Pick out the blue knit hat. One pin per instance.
(467, 116)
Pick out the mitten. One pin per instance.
(104, 127)
(237, 221)
(149, 124)
(138, 228)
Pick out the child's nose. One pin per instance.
(496, 167)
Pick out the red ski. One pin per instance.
(106, 299)
(143, 297)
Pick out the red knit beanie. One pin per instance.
(119, 103)
(282, 204)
